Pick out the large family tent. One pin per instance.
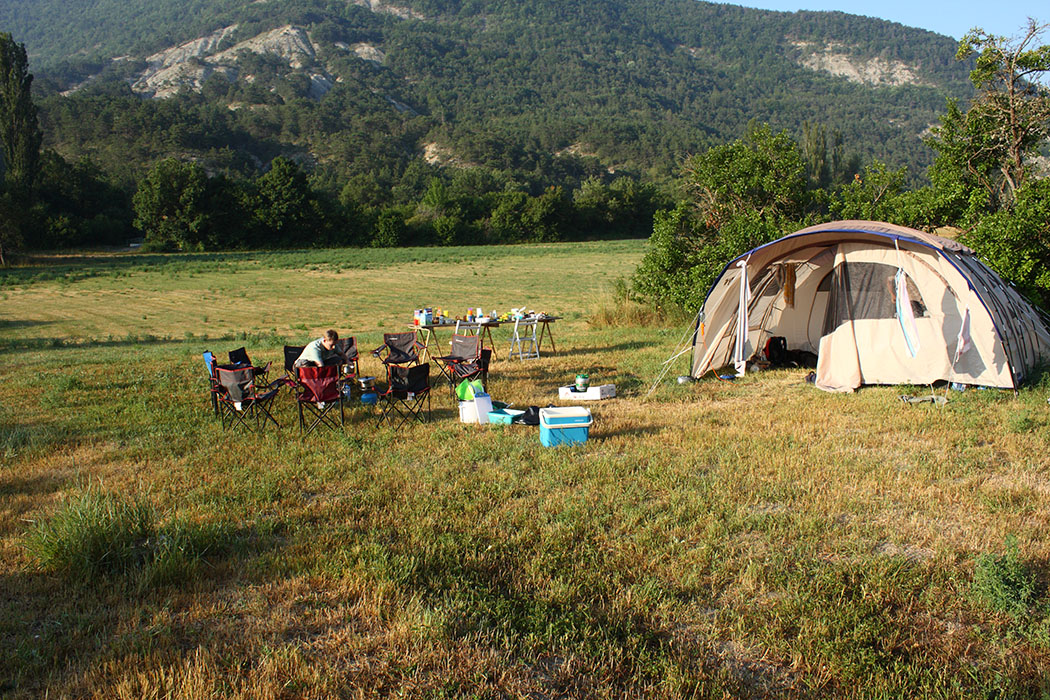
(877, 304)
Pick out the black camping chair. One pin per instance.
(399, 349)
(407, 394)
(346, 349)
(291, 354)
(318, 394)
(241, 402)
(240, 357)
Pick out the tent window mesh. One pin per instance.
(866, 291)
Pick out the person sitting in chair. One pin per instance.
(320, 352)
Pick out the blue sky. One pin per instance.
(1003, 17)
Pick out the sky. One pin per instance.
(954, 19)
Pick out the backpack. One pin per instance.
(776, 351)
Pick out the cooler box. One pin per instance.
(564, 426)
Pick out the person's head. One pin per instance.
(329, 338)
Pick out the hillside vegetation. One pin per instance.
(544, 92)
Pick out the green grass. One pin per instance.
(752, 539)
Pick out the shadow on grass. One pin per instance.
(58, 630)
(20, 323)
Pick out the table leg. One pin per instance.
(428, 336)
(545, 328)
(492, 343)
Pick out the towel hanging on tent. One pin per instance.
(739, 352)
(905, 314)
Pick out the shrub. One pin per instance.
(102, 534)
(1004, 582)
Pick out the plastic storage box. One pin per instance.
(594, 393)
(569, 425)
(504, 415)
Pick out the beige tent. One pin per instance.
(877, 304)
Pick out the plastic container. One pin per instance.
(569, 425)
(370, 398)
(482, 406)
(504, 416)
(467, 412)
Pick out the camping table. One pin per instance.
(545, 327)
(427, 336)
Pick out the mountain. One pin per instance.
(540, 91)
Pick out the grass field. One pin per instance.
(721, 539)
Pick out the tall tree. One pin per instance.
(20, 133)
(20, 139)
(1010, 118)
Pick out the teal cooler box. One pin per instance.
(564, 426)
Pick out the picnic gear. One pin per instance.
(241, 403)
(582, 382)
(503, 416)
(398, 349)
(240, 357)
(291, 354)
(462, 359)
(318, 396)
(407, 394)
(467, 388)
(594, 393)
(838, 290)
(530, 416)
(214, 388)
(568, 425)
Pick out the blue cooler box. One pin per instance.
(564, 426)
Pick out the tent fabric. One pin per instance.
(832, 289)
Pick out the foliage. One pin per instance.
(873, 196)
(20, 139)
(1012, 109)
(1004, 581)
(1016, 243)
(170, 206)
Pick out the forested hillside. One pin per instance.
(374, 101)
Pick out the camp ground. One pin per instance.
(875, 303)
(750, 538)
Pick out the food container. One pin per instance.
(504, 416)
(569, 425)
(366, 383)
(594, 393)
(583, 381)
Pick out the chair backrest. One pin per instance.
(291, 354)
(209, 362)
(236, 382)
(347, 348)
(410, 379)
(466, 347)
(401, 347)
(319, 383)
(239, 357)
(485, 359)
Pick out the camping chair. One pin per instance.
(214, 388)
(466, 350)
(407, 394)
(523, 343)
(241, 402)
(399, 349)
(240, 357)
(346, 348)
(291, 354)
(318, 394)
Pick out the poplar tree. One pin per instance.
(20, 139)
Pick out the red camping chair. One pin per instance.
(318, 394)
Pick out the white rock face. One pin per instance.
(835, 59)
(188, 65)
(368, 52)
(290, 43)
(380, 6)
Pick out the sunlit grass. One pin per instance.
(749, 538)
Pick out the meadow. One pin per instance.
(752, 538)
